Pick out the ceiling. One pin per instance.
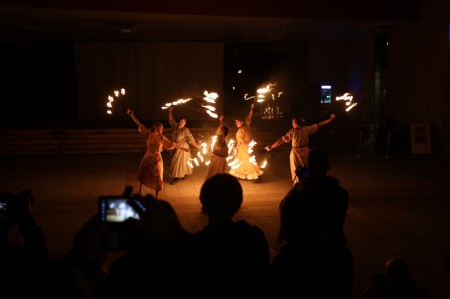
(34, 25)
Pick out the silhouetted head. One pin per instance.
(397, 271)
(318, 163)
(221, 195)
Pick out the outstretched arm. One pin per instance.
(277, 143)
(141, 127)
(326, 122)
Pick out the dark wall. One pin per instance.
(37, 83)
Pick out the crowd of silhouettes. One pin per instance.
(225, 258)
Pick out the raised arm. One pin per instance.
(326, 122)
(221, 124)
(141, 127)
(248, 119)
(170, 114)
(221, 120)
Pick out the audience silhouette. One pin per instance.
(308, 264)
(395, 283)
(161, 256)
(240, 249)
(334, 200)
(226, 256)
(22, 243)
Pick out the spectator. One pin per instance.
(239, 248)
(395, 283)
(22, 243)
(334, 200)
(161, 256)
(77, 275)
(402, 285)
(308, 264)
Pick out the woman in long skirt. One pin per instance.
(150, 172)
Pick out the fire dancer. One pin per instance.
(246, 169)
(179, 167)
(218, 161)
(299, 135)
(150, 172)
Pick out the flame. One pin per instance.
(200, 156)
(263, 164)
(348, 98)
(212, 114)
(250, 146)
(209, 107)
(266, 89)
(350, 107)
(111, 99)
(175, 103)
(209, 97)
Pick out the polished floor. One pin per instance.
(399, 206)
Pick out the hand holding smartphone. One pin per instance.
(137, 222)
(116, 209)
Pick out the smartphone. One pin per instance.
(4, 206)
(115, 209)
